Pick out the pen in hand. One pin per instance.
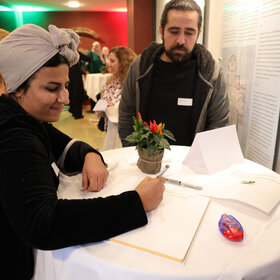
(182, 184)
(163, 171)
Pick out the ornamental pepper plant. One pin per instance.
(150, 136)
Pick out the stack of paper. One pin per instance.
(171, 227)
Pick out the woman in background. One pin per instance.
(120, 59)
(105, 54)
(35, 65)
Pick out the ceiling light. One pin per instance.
(74, 4)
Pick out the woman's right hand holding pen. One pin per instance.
(151, 192)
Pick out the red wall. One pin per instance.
(110, 26)
(140, 24)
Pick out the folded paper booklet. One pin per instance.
(171, 227)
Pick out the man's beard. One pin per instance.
(178, 57)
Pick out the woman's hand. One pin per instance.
(94, 173)
(100, 114)
(110, 103)
(151, 192)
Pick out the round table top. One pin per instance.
(211, 256)
(94, 83)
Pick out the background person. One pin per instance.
(76, 89)
(105, 54)
(35, 66)
(95, 64)
(97, 59)
(120, 59)
(177, 82)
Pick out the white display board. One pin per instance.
(250, 52)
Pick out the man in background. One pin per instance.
(177, 82)
(96, 60)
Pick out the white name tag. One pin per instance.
(55, 169)
(184, 102)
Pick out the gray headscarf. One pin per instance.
(29, 47)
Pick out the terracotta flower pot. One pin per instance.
(150, 165)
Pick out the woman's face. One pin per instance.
(47, 93)
(105, 51)
(114, 64)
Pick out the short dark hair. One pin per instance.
(55, 61)
(181, 5)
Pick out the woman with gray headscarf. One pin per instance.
(34, 64)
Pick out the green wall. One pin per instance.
(10, 20)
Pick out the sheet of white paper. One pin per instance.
(214, 150)
(249, 183)
(259, 187)
(171, 227)
(101, 105)
(112, 113)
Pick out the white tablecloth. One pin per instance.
(211, 256)
(94, 83)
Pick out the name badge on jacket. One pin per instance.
(184, 101)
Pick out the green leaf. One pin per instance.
(141, 138)
(164, 143)
(135, 121)
(169, 134)
(150, 151)
(157, 137)
(145, 129)
(133, 137)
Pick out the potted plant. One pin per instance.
(150, 140)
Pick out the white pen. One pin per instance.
(163, 171)
(182, 184)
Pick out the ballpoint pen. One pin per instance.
(182, 184)
(163, 171)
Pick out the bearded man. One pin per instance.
(177, 82)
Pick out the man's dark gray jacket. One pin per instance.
(210, 104)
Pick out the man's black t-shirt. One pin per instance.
(170, 98)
